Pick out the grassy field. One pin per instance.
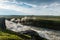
(53, 18)
(10, 35)
(7, 36)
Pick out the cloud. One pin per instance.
(9, 12)
(17, 8)
(32, 7)
(38, 2)
(52, 9)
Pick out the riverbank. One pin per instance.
(48, 24)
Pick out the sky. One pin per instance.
(30, 7)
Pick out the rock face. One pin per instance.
(2, 23)
(34, 35)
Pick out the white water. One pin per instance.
(45, 33)
(48, 34)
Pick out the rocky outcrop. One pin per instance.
(34, 35)
(2, 23)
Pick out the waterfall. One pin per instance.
(45, 33)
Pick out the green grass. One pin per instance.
(7, 36)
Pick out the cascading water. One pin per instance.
(48, 34)
(45, 33)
